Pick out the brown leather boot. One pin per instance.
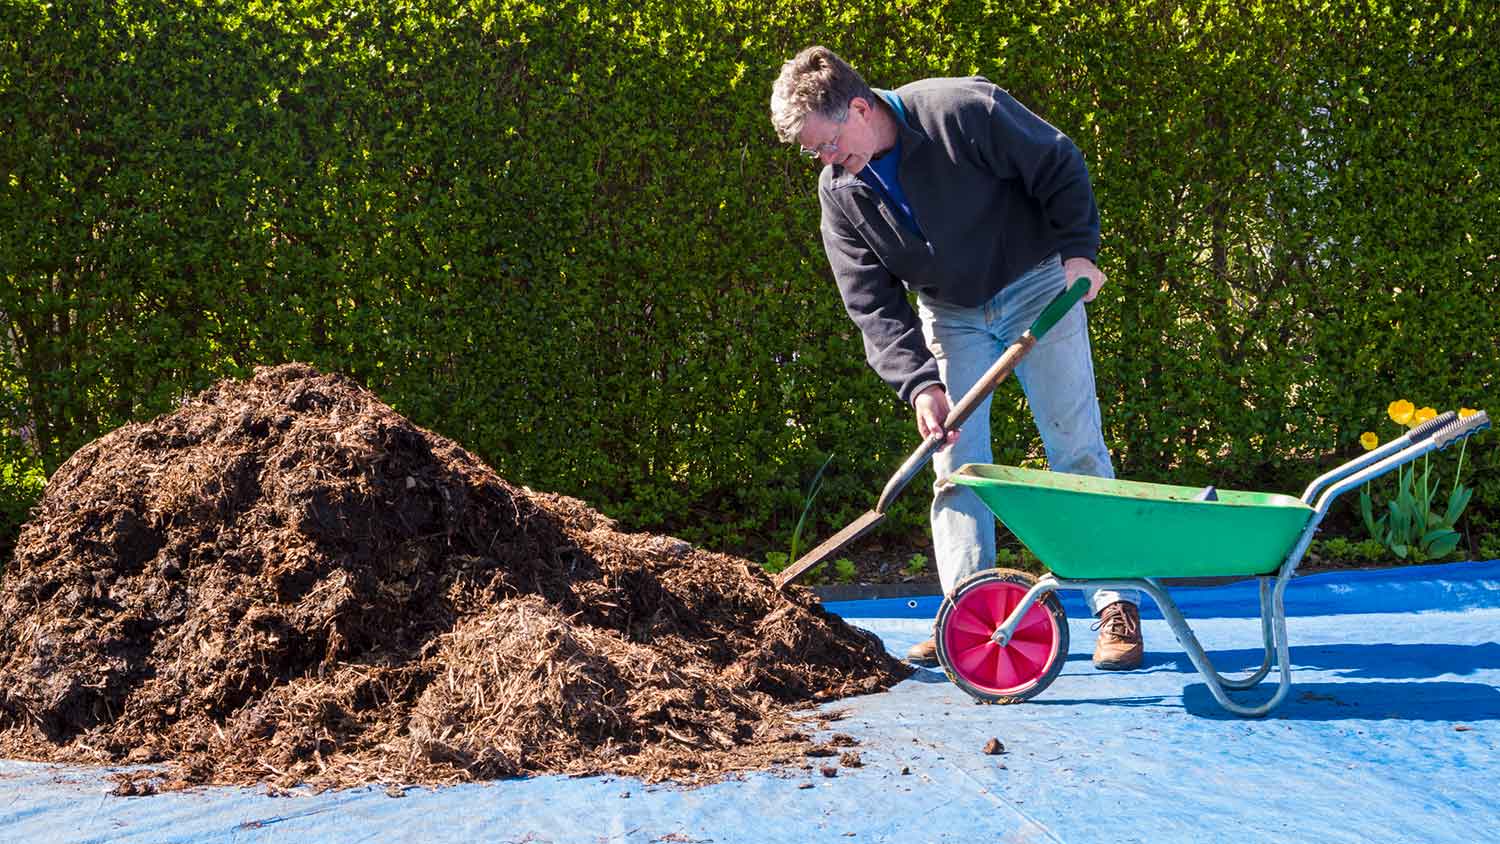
(1119, 647)
(923, 653)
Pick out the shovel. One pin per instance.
(956, 417)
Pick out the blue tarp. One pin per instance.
(1389, 734)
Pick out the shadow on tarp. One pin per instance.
(1406, 661)
(1446, 587)
(1426, 701)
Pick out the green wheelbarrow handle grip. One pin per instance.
(1064, 302)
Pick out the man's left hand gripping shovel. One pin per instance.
(956, 417)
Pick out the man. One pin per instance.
(952, 189)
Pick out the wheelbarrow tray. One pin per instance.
(1083, 527)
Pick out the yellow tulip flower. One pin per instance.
(1423, 415)
(1466, 412)
(1401, 411)
(1369, 440)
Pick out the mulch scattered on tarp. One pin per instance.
(287, 582)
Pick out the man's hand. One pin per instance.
(1073, 268)
(932, 408)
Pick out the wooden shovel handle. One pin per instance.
(988, 382)
(1055, 310)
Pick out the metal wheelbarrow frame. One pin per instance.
(1258, 534)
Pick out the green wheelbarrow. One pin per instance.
(1002, 635)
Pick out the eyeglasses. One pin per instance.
(830, 147)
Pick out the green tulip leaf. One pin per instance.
(1456, 504)
(1440, 543)
(1366, 511)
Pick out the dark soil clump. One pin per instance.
(285, 581)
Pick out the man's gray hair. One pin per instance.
(815, 81)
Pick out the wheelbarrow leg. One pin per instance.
(1274, 622)
(1254, 679)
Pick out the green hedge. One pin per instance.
(565, 235)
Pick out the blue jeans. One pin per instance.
(1057, 376)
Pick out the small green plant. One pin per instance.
(844, 571)
(776, 562)
(1017, 558)
(1340, 549)
(1412, 528)
(1489, 547)
(916, 566)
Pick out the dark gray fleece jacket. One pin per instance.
(994, 189)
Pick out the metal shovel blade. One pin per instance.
(853, 531)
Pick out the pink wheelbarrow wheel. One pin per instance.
(992, 673)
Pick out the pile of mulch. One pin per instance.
(287, 582)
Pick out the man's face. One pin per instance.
(850, 144)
